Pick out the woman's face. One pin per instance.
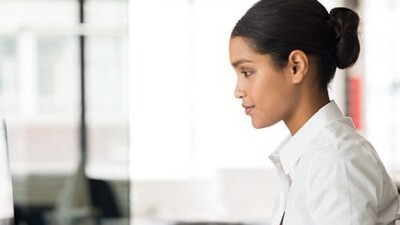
(268, 94)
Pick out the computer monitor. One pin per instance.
(6, 195)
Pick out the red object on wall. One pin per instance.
(355, 100)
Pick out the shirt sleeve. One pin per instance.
(343, 187)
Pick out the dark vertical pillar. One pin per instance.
(82, 127)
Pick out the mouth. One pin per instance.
(248, 109)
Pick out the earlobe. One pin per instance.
(298, 62)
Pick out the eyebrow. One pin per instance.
(240, 61)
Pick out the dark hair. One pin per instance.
(277, 27)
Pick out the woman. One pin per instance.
(285, 53)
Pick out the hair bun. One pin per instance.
(346, 23)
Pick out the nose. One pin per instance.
(239, 90)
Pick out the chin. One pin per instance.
(261, 124)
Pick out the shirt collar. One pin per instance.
(293, 147)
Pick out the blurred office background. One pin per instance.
(40, 98)
(164, 134)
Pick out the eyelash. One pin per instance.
(247, 73)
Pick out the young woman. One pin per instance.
(285, 53)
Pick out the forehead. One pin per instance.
(240, 47)
(240, 50)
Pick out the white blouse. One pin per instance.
(332, 176)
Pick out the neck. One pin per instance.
(305, 109)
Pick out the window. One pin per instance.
(40, 94)
(8, 71)
(40, 84)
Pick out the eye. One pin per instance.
(246, 73)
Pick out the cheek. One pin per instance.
(272, 100)
(265, 92)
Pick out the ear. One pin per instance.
(298, 66)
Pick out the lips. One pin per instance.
(248, 109)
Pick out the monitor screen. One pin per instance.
(6, 195)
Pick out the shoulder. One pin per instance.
(339, 148)
(343, 174)
(340, 142)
